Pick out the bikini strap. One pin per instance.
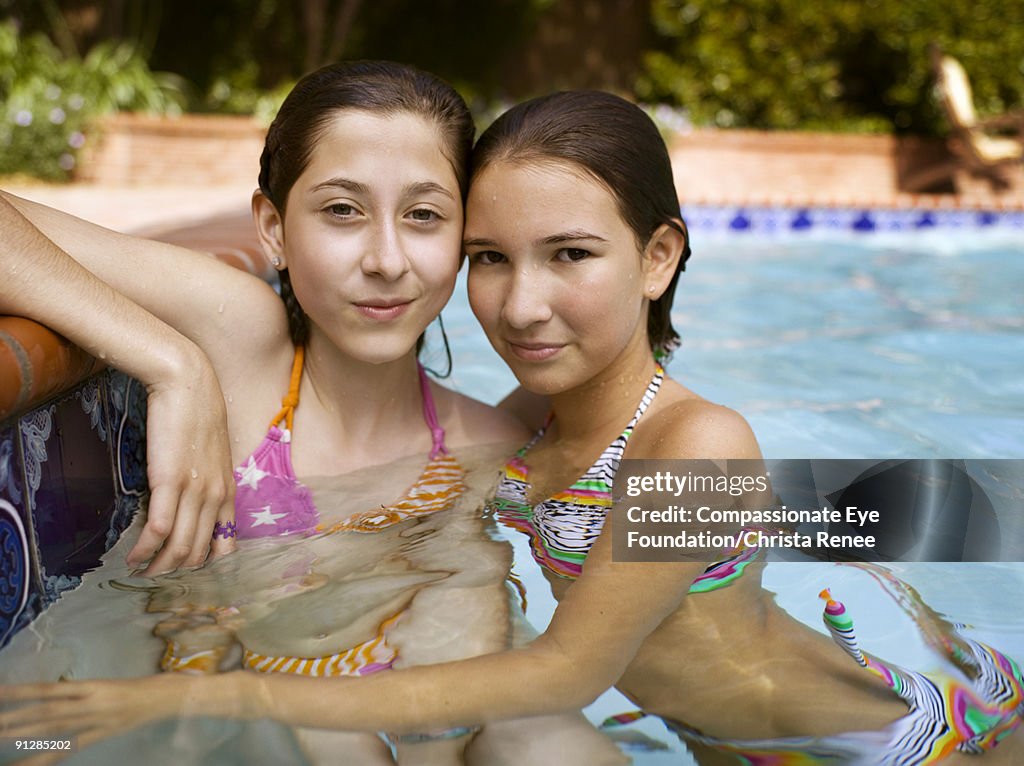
(607, 464)
(537, 436)
(430, 415)
(645, 401)
(291, 401)
(840, 625)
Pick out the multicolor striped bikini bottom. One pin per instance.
(946, 714)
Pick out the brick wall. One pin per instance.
(199, 150)
(807, 169)
(720, 166)
(711, 166)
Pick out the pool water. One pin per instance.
(884, 346)
(894, 345)
(902, 346)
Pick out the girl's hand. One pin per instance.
(189, 458)
(88, 711)
(189, 468)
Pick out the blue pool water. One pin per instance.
(900, 345)
(906, 344)
(890, 345)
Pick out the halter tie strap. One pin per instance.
(430, 416)
(291, 400)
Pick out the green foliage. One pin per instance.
(844, 64)
(47, 99)
(238, 92)
(236, 50)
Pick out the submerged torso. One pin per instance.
(727, 660)
(326, 607)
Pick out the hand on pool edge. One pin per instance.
(190, 472)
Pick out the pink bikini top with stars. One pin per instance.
(271, 501)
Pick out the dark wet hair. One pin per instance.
(382, 87)
(615, 142)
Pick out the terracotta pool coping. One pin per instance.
(36, 364)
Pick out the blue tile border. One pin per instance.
(749, 219)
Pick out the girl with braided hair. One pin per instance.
(360, 209)
(574, 242)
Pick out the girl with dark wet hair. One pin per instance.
(360, 209)
(573, 238)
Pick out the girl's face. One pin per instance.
(371, 233)
(556, 278)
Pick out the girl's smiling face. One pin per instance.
(370, 234)
(556, 278)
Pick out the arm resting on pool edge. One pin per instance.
(189, 474)
(233, 316)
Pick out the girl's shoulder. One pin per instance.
(469, 422)
(682, 424)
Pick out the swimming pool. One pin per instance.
(837, 345)
(891, 345)
(897, 345)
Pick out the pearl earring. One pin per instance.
(275, 262)
(650, 289)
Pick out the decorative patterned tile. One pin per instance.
(72, 477)
(17, 574)
(125, 401)
(11, 473)
(70, 484)
(751, 219)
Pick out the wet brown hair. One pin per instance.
(614, 142)
(381, 87)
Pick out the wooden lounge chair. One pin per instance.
(979, 151)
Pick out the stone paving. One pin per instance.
(145, 209)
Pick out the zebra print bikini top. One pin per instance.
(564, 527)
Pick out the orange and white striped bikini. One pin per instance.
(271, 501)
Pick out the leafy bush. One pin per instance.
(47, 100)
(847, 64)
(239, 93)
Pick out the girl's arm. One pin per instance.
(230, 314)
(190, 473)
(594, 634)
